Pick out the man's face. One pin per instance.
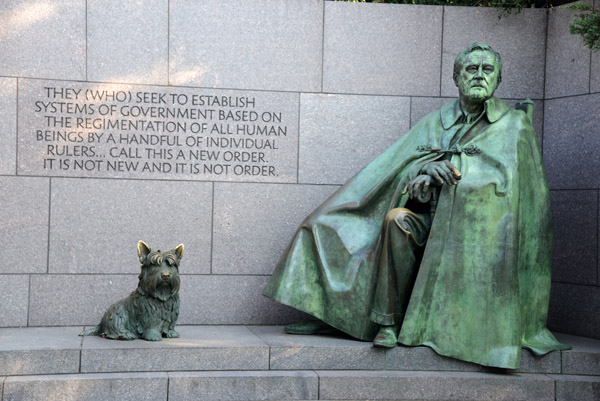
(478, 76)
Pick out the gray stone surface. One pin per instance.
(340, 134)
(580, 388)
(262, 44)
(424, 358)
(198, 348)
(72, 299)
(519, 38)
(575, 236)
(74, 129)
(253, 223)
(583, 358)
(8, 125)
(24, 228)
(571, 141)
(595, 71)
(127, 41)
(346, 385)
(207, 348)
(267, 385)
(382, 49)
(205, 299)
(574, 309)
(96, 224)
(567, 58)
(231, 299)
(43, 39)
(35, 350)
(93, 387)
(14, 298)
(421, 106)
(549, 363)
(335, 351)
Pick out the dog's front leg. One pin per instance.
(152, 335)
(172, 334)
(150, 328)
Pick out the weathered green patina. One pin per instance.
(479, 288)
(151, 310)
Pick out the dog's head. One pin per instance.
(160, 271)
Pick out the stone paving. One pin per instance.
(264, 363)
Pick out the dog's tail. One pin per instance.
(94, 331)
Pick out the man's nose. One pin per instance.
(479, 73)
(166, 276)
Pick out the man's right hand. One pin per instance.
(443, 172)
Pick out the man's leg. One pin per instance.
(405, 233)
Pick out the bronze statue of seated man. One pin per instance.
(444, 240)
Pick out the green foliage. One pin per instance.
(586, 24)
(508, 6)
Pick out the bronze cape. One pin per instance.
(483, 284)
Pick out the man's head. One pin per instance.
(477, 72)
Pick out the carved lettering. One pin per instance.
(122, 131)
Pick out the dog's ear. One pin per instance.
(178, 252)
(143, 251)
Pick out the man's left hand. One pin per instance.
(418, 187)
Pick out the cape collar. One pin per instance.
(494, 109)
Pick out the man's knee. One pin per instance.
(410, 223)
(397, 215)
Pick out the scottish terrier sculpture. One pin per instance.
(149, 312)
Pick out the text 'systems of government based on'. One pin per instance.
(128, 131)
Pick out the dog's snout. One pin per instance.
(165, 276)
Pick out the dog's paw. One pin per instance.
(152, 335)
(172, 334)
(128, 335)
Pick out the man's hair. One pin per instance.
(460, 59)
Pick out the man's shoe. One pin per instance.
(386, 337)
(312, 326)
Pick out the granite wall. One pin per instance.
(121, 122)
(571, 151)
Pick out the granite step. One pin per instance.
(302, 385)
(262, 362)
(59, 350)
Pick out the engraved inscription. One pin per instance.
(132, 131)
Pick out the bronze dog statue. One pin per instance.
(149, 312)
